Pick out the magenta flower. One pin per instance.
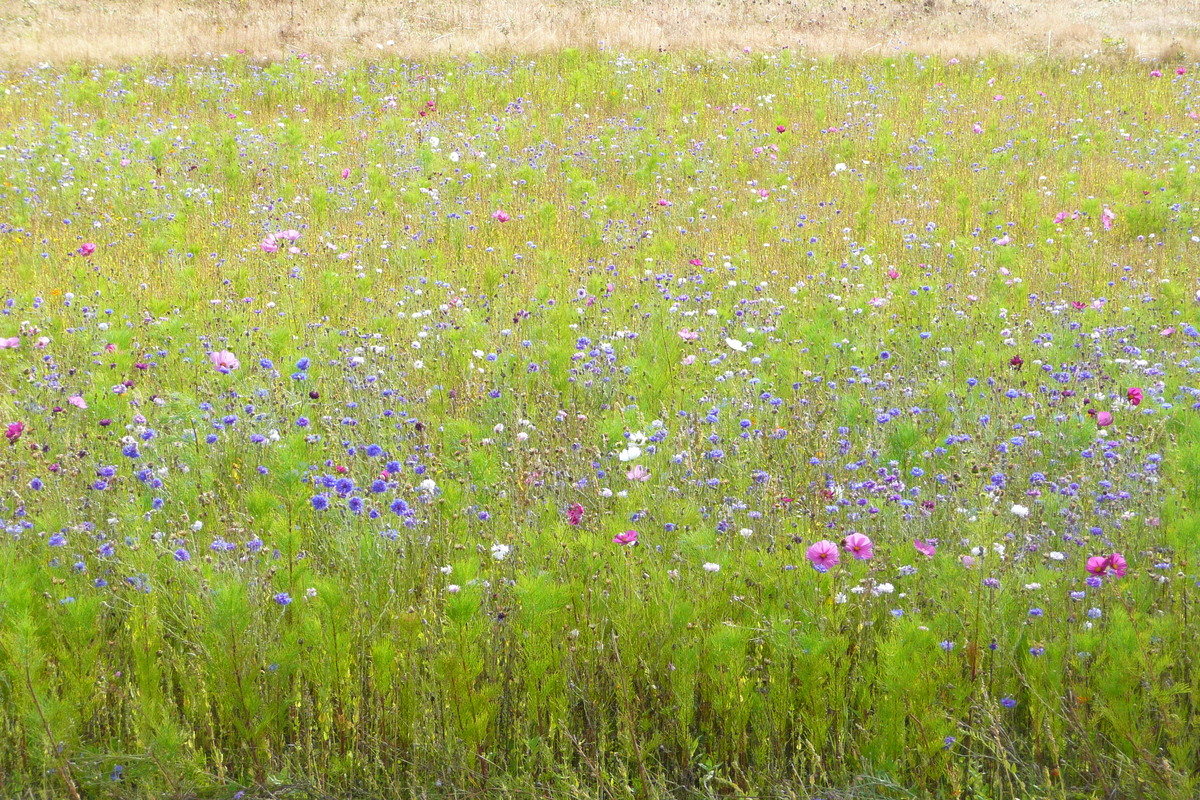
(14, 431)
(924, 548)
(11, 343)
(224, 361)
(859, 546)
(1156, 73)
(628, 538)
(893, 273)
(976, 128)
(86, 249)
(574, 514)
(1097, 565)
(500, 215)
(1181, 70)
(1118, 564)
(823, 554)
(1134, 396)
(780, 128)
(638, 473)
(345, 173)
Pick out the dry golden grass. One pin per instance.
(33, 31)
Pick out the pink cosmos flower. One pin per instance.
(1118, 564)
(696, 262)
(1004, 240)
(924, 548)
(86, 249)
(1060, 216)
(638, 473)
(859, 546)
(269, 244)
(574, 514)
(628, 538)
(1104, 419)
(823, 554)
(110, 348)
(14, 431)
(500, 215)
(345, 173)
(1181, 70)
(688, 361)
(11, 343)
(1106, 218)
(1078, 306)
(1156, 73)
(77, 401)
(1134, 396)
(224, 361)
(42, 342)
(290, 235)
(688, 335)
(1166, 331)
(1097, 565)
(976, 128)
(893, 273)
(780, 128)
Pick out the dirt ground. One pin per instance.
(58, 31)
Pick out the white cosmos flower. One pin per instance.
(629, 453)
(711, 567)
(1020, 510)
(736, 345)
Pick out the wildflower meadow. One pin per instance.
(600, 425)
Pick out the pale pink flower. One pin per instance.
(42, 342)
(1104, 419)
(976, 128)
(224, 361)
(77, 401)
(688, 335)
(638, 473)
(11, 343)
